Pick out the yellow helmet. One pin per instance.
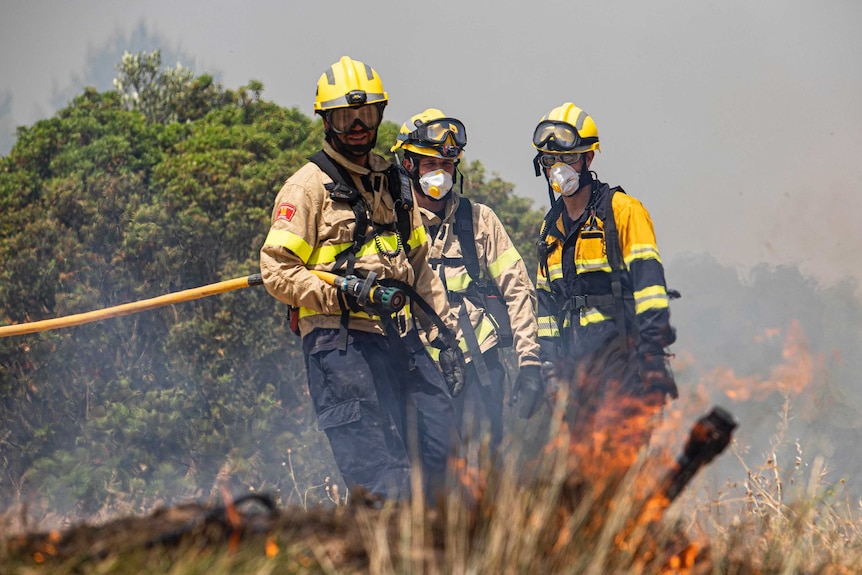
(566, 129)
(348, 83)
(432, 133)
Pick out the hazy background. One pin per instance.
(737, 123)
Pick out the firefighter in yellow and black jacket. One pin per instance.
(604, 321)
(368, 371)
(475, 258)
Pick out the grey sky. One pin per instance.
(737, 123)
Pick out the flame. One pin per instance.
(271, 547)
(794, 375)
(604, 432)
(233, 519)
(472, 479)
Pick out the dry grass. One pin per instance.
(545, 517)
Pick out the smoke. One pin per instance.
(7, 130)
(777, 350)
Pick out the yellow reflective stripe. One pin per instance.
(653, 297)
(592, 315)
(417, 237)
(503, 262)
(548, 327)
(291, 241)
(542, 283)
(433, 352)
(595, 265)
(486, 328)
(459, 282)
(327, 254)
(642, 252)
(555, 271)
(307, 312)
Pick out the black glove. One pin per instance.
(453, 366)
(529, 391)
(656, 376)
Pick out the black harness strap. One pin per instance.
(402, 193)
(466, 237)
(341, 190)
(446, 333)
(399, 186)
(542, 247)
(467, 241)
(473, 346)
(615, 259)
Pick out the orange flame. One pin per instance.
(469, 476)
(794, 375)
(271, 547)
(233, 518)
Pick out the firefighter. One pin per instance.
(604, 320)
(370, 378)
(488, 284)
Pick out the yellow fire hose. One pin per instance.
(130, 308)
(364, 289)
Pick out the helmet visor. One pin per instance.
(343, 119)
(554, 136)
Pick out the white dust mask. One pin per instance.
(436, 184)
(564, 179)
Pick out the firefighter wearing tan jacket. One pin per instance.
(368, 371)
(432, 145)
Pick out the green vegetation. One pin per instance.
(165, 183)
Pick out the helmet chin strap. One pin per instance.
(414, 170)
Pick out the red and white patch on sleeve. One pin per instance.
(285, 212)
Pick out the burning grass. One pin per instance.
(565, 511)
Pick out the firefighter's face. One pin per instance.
(577, 161)
(430, 164)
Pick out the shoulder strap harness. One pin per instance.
(342, 190)
(615, 261)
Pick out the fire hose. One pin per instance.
(365, 290)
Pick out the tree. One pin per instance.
(163, 184)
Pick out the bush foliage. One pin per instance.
(163, 184)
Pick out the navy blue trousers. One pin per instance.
(377, 399)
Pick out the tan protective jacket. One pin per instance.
(309, 230)
(498, 260)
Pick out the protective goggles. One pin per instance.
(553, 136)
(548, 160)
(342, 120)
(437, 132)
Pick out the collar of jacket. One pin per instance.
(558, 230)
(432, 219)
(375, 162)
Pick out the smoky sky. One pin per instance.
(736, 123)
